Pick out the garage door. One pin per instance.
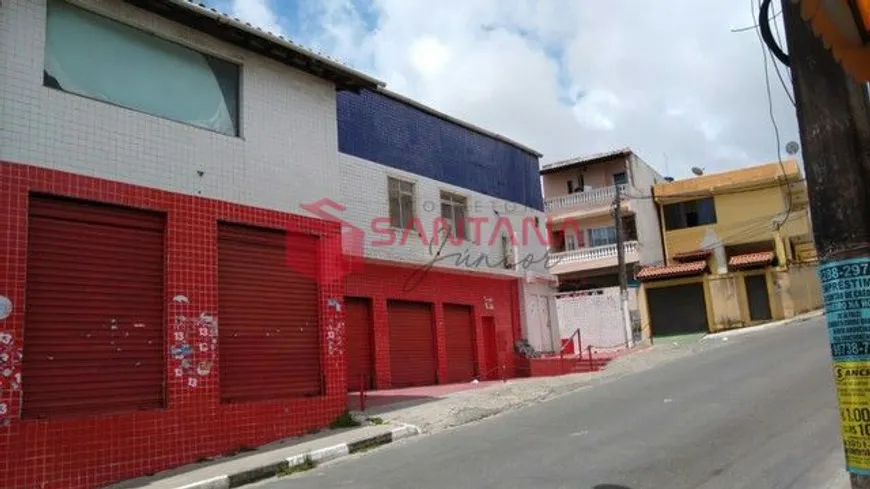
(269, 315)
(93, 337)
(360, 357)
(459, 330)
(677, 310)
(412, 344)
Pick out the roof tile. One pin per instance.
(672, 271)
(751, 260)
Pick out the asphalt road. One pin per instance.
(757, 413)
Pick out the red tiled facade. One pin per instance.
(488, 296)
(86, 452)
(70, 453)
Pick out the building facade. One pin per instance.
(170, 286)
(579, 198)
(739, 248)
(410, 174)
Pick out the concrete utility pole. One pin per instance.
(620, 259)
(834, 117)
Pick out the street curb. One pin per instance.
(762, 327)
(256, 474)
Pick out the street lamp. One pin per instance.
(844, 27)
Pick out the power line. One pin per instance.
(754, 26)
(776, 65)
(703, 194)
(761, 20)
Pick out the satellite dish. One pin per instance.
(697, 171)
(792, 148)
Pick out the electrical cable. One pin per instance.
(766, 34)
(764, 22)
(754, 26)
(776, 65)
(700, 195)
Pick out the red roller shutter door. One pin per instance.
(269, 315)
(94, 312)
(412, 344)
(359, 354)
(459, 331)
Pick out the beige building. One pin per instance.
(739, 251)
(579, 201)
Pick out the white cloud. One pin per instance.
(568, 77)
(258, 13)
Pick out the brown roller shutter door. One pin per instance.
(412, 344)
(359, 354)
(459, 331)
(94, 309)
(269, 315)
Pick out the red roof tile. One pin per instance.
(751, 259)
(696, 255)
(671, 271)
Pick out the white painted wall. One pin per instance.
(642, 177)
(539, 317)
(364, 194)
(287, 155)
(597, 314)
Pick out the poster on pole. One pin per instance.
(846, 292)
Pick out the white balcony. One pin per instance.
(589, 198)
(591, 258)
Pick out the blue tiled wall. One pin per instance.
(384, 130)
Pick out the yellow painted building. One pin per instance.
(738, 248)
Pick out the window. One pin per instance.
(620, 178)
(453, 210)
(570, 241)
(401, 203)
(578, 187)
(603, 236)
(690, 214)
(102, 59)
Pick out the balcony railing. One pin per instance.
(591, 253)
(582, 199)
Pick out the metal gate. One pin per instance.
(93, 338)
(412, 344)
(677, 310)
(459, 331)
(359, 354)
(269, 315)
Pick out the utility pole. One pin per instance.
(620, 259)
(834, 117)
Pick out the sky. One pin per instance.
(667, 78)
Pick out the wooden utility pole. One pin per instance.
(834, 118)
(620, 259)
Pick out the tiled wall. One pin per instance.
(88, 452)
(379, 128)
(382, 282)
(364, 195)
(286, 155)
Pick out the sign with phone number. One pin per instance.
(846, 291)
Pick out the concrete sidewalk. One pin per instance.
(273, 460)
